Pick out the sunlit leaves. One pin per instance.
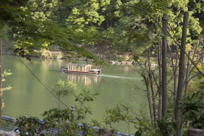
(7, 88)
(104, 3)
(194, 25)
(180, 4)
(86, 14)
(64, 88)
(188, 48)
(39, 16)
(75, 11)
(7, 73)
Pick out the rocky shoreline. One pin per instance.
(15, 131)
(7, 133)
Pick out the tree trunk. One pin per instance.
(186, 81)
(151, 86)
(175, 71)
(164, 65)
(160, 83)
(1, 91)
(175, 76)
(181, 77)
(149, 98)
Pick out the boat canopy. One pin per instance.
(79, 67)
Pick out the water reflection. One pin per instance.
(126, 69)
(84, 79)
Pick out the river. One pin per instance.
(116, 85)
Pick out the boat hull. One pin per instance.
(81, 72)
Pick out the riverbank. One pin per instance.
(7, 133)
(15, 131)
(7, 126)
(89, 54)
(59, 55)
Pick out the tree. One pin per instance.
(181, 76)
(158, 86)
(164, 65)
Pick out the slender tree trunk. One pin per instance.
(151, 87)
(175, 71)
(175, 77)
(149, 98)
(187, 77)
(160, 83)
(164, 65)
(153, 99)
(181, 77)
(1, 91)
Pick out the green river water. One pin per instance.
(116, 85)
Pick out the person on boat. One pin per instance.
(64, 69)
(99, 72)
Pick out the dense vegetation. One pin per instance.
(166, 33)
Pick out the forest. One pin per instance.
(165, 45)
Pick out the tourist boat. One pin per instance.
(81, 69)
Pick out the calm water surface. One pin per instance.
(117, 85)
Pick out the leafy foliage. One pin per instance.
(63, 121)
(193, 110)
(122, 113)
(29, 125)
